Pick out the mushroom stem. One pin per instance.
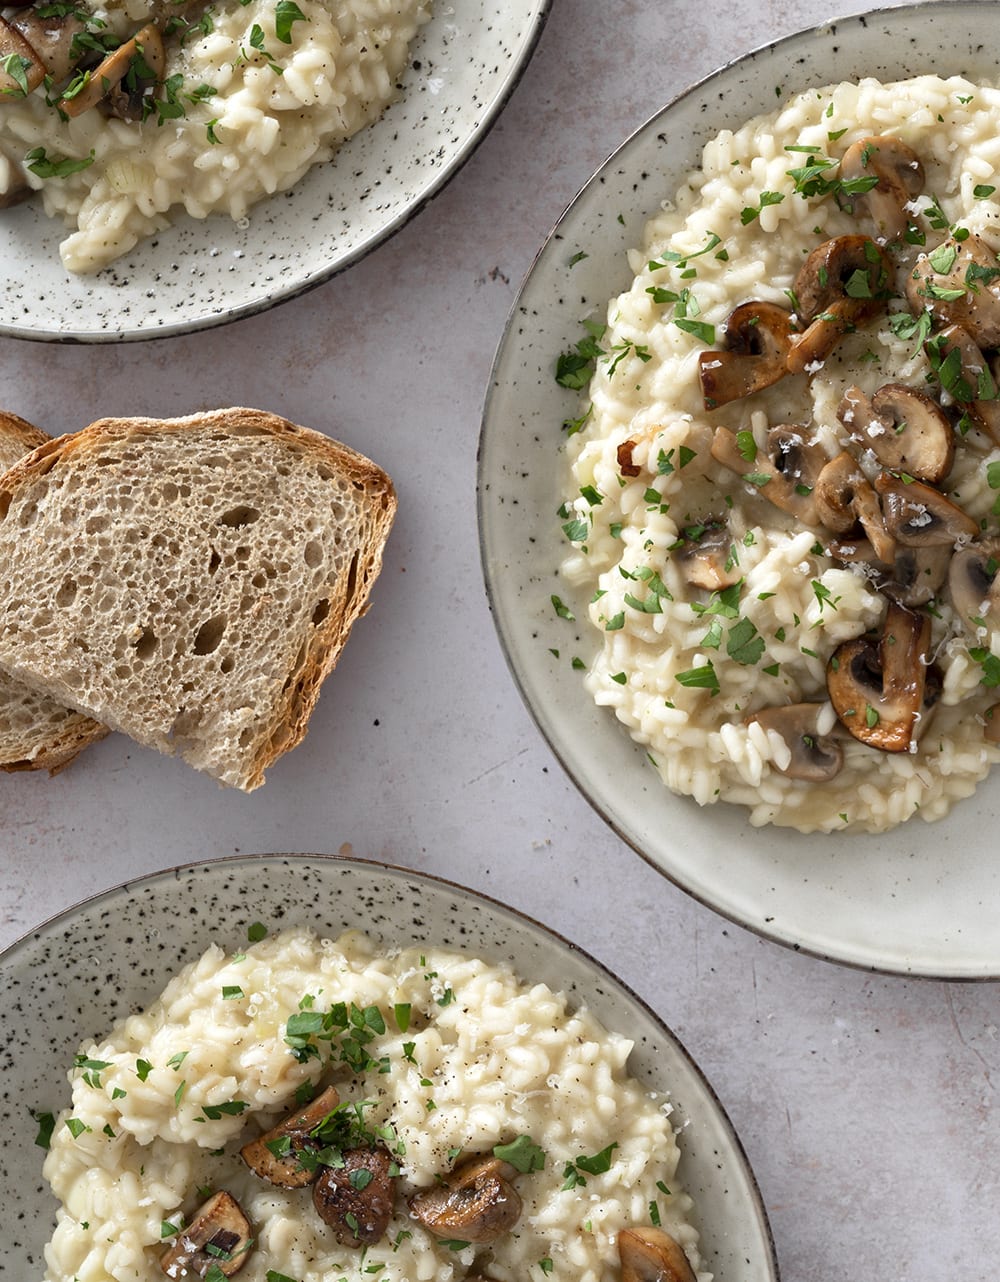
(785, 473)
(758, 338)
(843, 283)
(877, 685)
(898, 175)
(650, 1254)
(845, 498)
(903, 428)
(289, 1138)
(218, 1235)
(959, 284)
(475, 1203)
(917, 515)
(965, 375)
(813, 757)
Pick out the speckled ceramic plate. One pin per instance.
(198, 273)
(79, 973)
(922, 899)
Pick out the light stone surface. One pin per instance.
(866, 1103)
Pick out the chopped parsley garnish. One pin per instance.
(576, 531)
(523, 1154)
(905, 326)
(671, 258)
(256, 931)
(744, 644)
(45, 166)
(575, 369)
(46, 1125)
(622, 350)
(989, 663)
(596, 1164)
(700, 678)
(17, 66)
(93, 1067)
(231, 1108)
(749, 213)
(286, 12)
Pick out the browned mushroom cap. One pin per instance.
(877, 684)
(758, 337)
(139, 56)
(844, 499)
(648, 1254)
(973, 586)
(842, 284)
(475, 1203)
(905, 430)
(917, 515)
(16, 52)
(50, 34)
(219, 1234)
(959, 284)
(917, 574)
(705, 559)
(274, 1155)
(356, 1199)
(966, 375)
(914, 577)
(815, 758)
(900, 178)
(785, 472)
(132, 97)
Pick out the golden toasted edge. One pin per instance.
(19, 438)
(347, 606)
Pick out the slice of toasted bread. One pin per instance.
(190, 581)
(36, 733)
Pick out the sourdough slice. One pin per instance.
(190, 581)
(36, 733)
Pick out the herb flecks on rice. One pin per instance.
(764, 408)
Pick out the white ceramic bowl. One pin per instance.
(204, 272)
(919, 900)
(73, 977)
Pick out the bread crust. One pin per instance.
(343, 601)
(60, 735)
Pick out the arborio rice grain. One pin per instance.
(477, 1059)
(796, 604)
(259, 111)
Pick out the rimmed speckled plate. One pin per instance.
(920, 900)
(204, 272)
(73, 977)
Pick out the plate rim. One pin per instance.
(396, 873)
(849, 956)
(541, 10)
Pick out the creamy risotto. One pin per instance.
(783, 491)
(461, 1124)
(151, 108)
